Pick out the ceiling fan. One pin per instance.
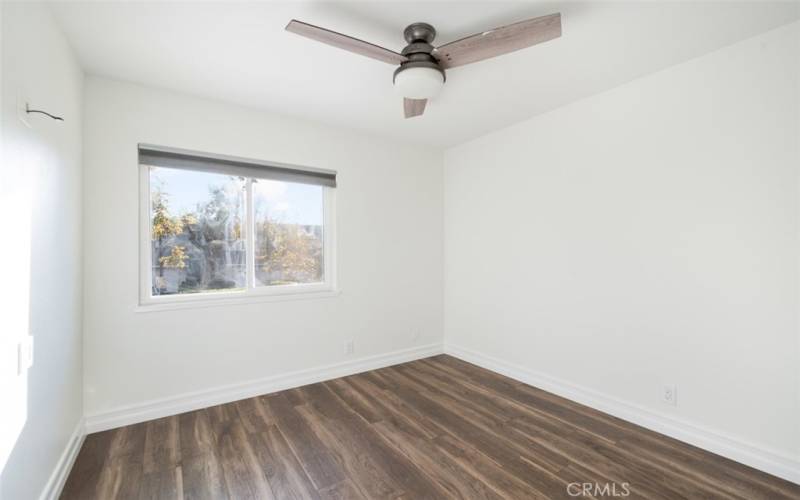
(421, 71)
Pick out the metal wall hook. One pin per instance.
(29, 110)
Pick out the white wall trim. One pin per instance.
(52, 490)
(758, 457)
(239, 300)
(225, 394)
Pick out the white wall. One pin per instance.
(645, 236)
(389, 217)
(40, 294)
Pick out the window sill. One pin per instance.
(233, 301)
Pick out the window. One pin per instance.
(222, 227)
(288, 233)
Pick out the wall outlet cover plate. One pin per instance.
(669, 395)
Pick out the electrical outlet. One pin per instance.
(350, 347)
(669, 395)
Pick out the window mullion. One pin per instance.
(250, 238)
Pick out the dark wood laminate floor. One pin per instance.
(435, 428)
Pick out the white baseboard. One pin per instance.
(758, 457)
(202, 399)
(769, 461)
(52, 490)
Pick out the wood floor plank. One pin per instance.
(534, 472)
(387, 472)
(342, 491)
(163, 484)
(162, 445)
(254, 416)
(83, 479)
(317, 460)
(202, 477)
(586, 458)
(221, 413)
(295, 396)
(491, 431)
(474, 372)
(370, 480)
(484, 396)
(368, 408)
(730, 477)
(384, 406)
(195, 434)
(244, 477)
(201, 470)
(128, 443)
(581, 447)
(500, 386)
(602, 428)
(375, 378)
(286, 477)
(506, 483)
(481, 409)
(401, 414)
(601, 456)
(433, 428)
(475, 415)
(119, 479)
(121, 474)
(453, 478)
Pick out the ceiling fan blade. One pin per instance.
(414, 107)
(344, 42)
(499, 41)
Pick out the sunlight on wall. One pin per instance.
(16, 204)
(40, 249)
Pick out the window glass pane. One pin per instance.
(288, 233)
(197, 231)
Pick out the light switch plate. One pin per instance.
(24, 354)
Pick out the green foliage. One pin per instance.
(163, 224)
(176, 258)
(286, 249)
(188, 219)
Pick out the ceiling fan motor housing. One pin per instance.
(419, 49)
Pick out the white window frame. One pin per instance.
(251, 293)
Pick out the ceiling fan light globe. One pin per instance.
(418, 83)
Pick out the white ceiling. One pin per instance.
(239, 52)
